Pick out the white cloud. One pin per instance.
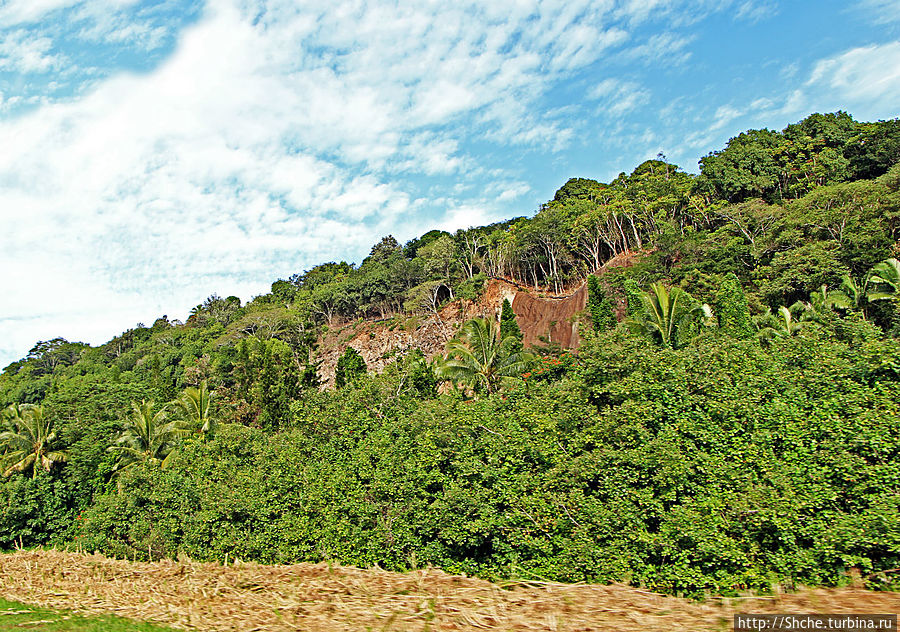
(638, 11)
(14, 12)
(31, 12)
(467, 216)
(21, 52)
(115, 28)
(756, 10)
(666, 49)
(676, 13)
(618, 97)
(724, 115)
(864, 81)
(869, 74)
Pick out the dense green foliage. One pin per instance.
(509, 327)
(350, 367)
(599, 305)
(731, 308)
(719, 466)
(738, 428)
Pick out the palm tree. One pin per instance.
(194, 405)
(886, 278)
(478, 358)
(28, 440)
(781, 324)
(148, 437)
(853, 295)
(669, 316)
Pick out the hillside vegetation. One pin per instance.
(730, 421)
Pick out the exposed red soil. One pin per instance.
(542, 317)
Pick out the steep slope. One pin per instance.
(547, 317)
(542, 317)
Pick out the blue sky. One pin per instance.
(152, 153)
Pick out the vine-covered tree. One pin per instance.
(350, 367)
(268, 378)
(509, 327)
(634, 304)
(599, 305)
(732, 311)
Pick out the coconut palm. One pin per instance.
(478, 358)
(149, 437)
(28, 440)
(194, 406)
(671, 317)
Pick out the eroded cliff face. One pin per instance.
(553, 318)
(380, 342)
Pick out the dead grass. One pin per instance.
(314, 597)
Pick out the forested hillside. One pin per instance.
(731, 419)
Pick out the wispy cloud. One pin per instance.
(879, 11)
(756, 10)
(21, 52)
(15, 12)
(868, 73)
(668, 49)
(618, 97)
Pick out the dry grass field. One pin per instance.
(250, 597)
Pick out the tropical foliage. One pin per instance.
(149, 437)
(670, 316)
(195, 406)
(350, 366)
(479, 359)
(599, 305)
(28, 440)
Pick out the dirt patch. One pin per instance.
(552, 319)
(380, 342)
(542, 317)
(320, 597)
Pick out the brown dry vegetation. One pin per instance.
(316, 597)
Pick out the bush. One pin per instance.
(350, 366)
